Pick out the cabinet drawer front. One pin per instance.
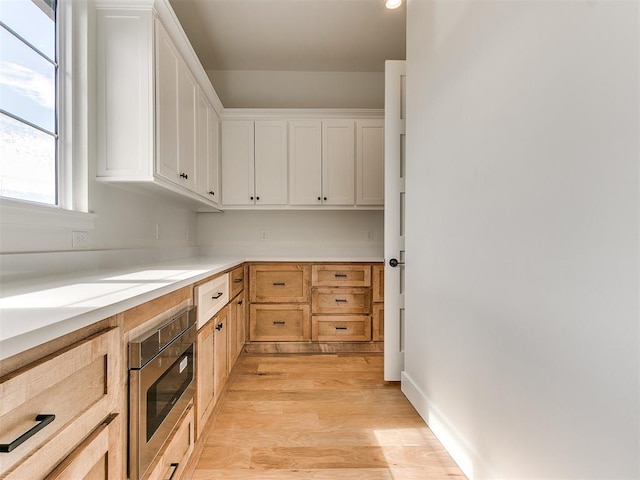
(211, 297)
(79, 385)
(236, 281)
(285, 323)
(378, 322)
(280, 283)
(178, 450)
(353, 328)
(341, 276)
(341, 300)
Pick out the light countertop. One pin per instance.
(35, 311)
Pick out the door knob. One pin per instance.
(394, 262)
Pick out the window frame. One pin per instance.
(72, 98)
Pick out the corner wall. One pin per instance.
(522, 335)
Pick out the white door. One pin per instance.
(305, 162)
(237, 163)
(271, 163)
(394, 190)
(338, 162)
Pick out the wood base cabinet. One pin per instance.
(284, 323)
(63, 411)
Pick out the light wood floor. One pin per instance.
(321, 417)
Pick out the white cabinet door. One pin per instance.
(237, 163)
(167, 66)
(187, 90)
(370, 162)
(305, 162)
(213, 137)
(207, 155)
(338, 162)
(271, 163)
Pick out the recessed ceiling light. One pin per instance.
(391, 4)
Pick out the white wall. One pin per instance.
(522, 337)
(283, 89)
(292, 234)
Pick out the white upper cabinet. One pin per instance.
(156, 127)
(338, 162)
(271, 163)
(370, 162)
(254, 163)
(207, 149)
(305, 161)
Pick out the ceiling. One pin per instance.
(347, 36)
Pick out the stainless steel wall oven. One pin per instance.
(161, 385)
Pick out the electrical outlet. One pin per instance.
(79, 239)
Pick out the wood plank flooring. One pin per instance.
(320, 417)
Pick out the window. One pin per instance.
(28, 101)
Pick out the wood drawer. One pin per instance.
(378, 322)
(178, 450)
(280, 283)
(210, 297)
(284, 323)
(341, 300)
(236, 281)
(341, 328)
(79, 385)
(341, 276)
(378, 283)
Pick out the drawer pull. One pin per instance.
(341, 275)
(217, 296)
(175, 469)
(340, 300)
(44, 421)
(279, 323)
(238, 280)
(341, 328)
(278, 284)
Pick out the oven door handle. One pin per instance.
(175, 469)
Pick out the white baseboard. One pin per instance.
(453, 441)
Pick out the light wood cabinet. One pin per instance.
(341, 300)
(341, 328)
(236, 281)
(271, 283)
(377, 320)
(284, 323)
(220, 355)
(333, 275)
(176, 453)
(205, 387)
(237, 329)
(61, 399)
(254, 163)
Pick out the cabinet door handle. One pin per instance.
(341, 275)
(175, 469)
(250, 198)
(238, 280)
(340, 300)
(184, 175)
(279, 322)
(211, 192)
(44, 419)
(216, 296)
(240, 302)
(257, 198)
(319, 198)
(341, 328)
(219, 326)
(324, 198)
(278, 284)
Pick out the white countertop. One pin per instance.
(35, 311)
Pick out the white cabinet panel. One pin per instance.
(305, 161)
(207, 144)
(338, 162)
(271, 163)
(213, 138)
(370, 162)
(237, 163)
(187, 89)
